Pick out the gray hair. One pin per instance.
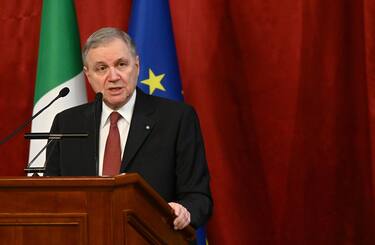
(105, 35)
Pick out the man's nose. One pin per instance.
(113, 74)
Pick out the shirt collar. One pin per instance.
(126, 111)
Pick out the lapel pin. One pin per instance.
(148, 127)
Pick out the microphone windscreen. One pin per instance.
(64, 92)
(99, 96)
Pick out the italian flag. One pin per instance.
(59, 65)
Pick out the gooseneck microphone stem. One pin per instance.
(63, 92)
(37, 155)
(97, 114)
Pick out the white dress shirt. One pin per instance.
(123, 125)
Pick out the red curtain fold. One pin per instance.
(329, 195)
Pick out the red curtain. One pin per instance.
(285, 91)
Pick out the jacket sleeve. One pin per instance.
(193, 189)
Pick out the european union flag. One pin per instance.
(151, 29)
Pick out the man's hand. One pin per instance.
(183, 216)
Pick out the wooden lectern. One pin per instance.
(85, 210)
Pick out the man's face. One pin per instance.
(112, 70)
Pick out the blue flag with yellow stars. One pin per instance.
(150, 27)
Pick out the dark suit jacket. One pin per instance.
(164, 146)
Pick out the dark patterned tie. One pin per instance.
(112, 153)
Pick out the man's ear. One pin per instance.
(85, 70)
(137, 63)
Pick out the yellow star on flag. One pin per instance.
(154, 82)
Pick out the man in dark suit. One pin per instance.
(157, 138)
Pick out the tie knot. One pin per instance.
(114, 117)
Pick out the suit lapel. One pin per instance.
(140, 128)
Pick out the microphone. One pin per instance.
(63, 92)
(98, 97)
(97, 113)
